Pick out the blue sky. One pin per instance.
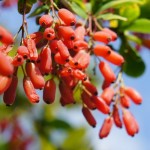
(118, 139)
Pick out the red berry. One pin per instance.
(49, 34)
(107, 72)
(106, 127)
(67, 17)
(101, 105)
(66, 33)
(30, 91)
(102, 37)
(88, 116)
(46, 21)
(5, 36)
(108, 95)
(35, 75)
(49, 91)
(4, 83)
(116, 117)
(133, 94)
(10, 94)
(45, 60)
(102, 50)
(112, 33)
(6, 68)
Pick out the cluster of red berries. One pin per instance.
(65, 53)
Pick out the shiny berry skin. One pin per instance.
(67, 17)
(88, 116)
(5, 36)
(10, 94)
(6, 68)
(107, 72)
(46, 21)
(106, 127)
(30, 91)
(102, 50)
(49, 91)
(102, 36)
(49, 34)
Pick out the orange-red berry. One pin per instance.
(67, 17)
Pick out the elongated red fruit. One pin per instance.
(125, 101)
(88, 116)
(67, 17)
(49, 34)
(80, 45)
(30, 91)
(80, 33)
(63, 50)
(66, 33)
(33, 54)
(58, 59)
(4, 83)
(23, 51)
(35, 75)
(130, 123)
(108, 95)
(36, 36)
(112, 33)
(106, 127)
(102, 50)
(133, 94)
(107, 72)
(46, 21)
(53, 46)
(88, 101)
(66, 93)
(18, 60)
(114, 58)
(6, 68)
(116, 117)
(82, 59)
(102, 36)
(5, 36)
(65, 72)
(49, 91)
(105, 84)
(45, 60)
(79, 74)
(90, 87)
(101, 105)
(10, 94)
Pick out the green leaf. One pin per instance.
(77, 6)
(133, 38)
(57, 124)
(39, 10)
(111, 16)
(140, 25)
(117, 4)
(21, 6)
(134, 65)
(131, 12)
(76, 140)
(78, 10)
(46, 145)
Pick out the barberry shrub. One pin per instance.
(60, 52)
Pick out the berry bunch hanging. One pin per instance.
(63, 49)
